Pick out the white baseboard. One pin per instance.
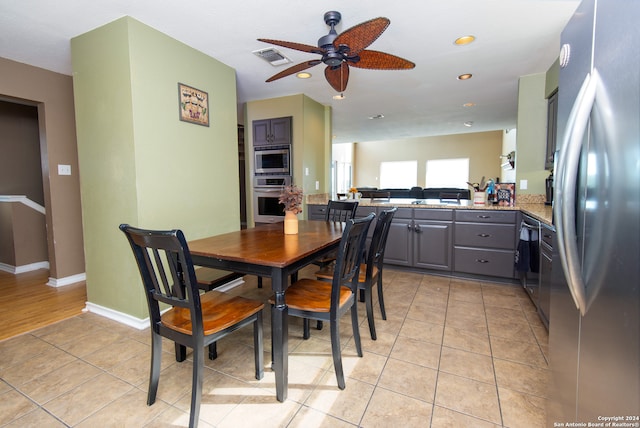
(120, 317)
(24, 268)
(229, 285)
(61, 282)
(138, 323)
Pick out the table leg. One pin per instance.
(279, 337)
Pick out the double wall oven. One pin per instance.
(266, 193)
(272, 173)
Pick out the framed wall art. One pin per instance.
(194, 105)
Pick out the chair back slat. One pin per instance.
(160, 281)
(167, 271)
(349, 256)
(375, 255)
(341, 210)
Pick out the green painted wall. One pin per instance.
(552, 79)
(315, 144)
(139, 163)
(532, 134)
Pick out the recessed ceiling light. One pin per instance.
(464, 40)
(468, 104)
(468, 124)
(377, 116)
(339, 97)
(465, 76)
(303, 75)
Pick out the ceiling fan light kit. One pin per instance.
(339, 51)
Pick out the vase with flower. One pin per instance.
(353, 193)
(291, 198)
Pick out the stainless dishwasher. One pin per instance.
(528, 257)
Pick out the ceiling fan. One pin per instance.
(344, 50)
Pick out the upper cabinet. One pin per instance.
(272, 131)
(552, 127)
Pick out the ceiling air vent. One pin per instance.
(272, 56)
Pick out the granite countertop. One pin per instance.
(537, 210)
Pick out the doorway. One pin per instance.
(21, 180)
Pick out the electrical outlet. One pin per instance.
(524, 184)
(64, 169)
(317, 185)
(306, 171)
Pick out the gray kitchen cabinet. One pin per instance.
(398, 249)
(319, 212)
(272, 132)
(421, 238)
(485, 242)
(365, 211)
(316, 212)
(552, 118)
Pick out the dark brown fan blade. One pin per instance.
(297, 46)
(338, 77)
(362, 35)
(294, 69)
(381, 61)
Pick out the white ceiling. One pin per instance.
(514, 38)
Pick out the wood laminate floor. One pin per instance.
(28, 303)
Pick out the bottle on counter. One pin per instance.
(491, 194)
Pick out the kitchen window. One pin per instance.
(453, 173)
(398, 174)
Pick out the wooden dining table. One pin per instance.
(267, 252)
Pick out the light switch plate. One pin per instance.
(64, 169)
(524, 184)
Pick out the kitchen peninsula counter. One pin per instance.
(450, 237)
(539, 211)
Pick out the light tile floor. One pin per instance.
(452, 352)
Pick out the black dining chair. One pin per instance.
(371, 269)
(319, 300)
(337, 211)
(341, 210)
(194, 320)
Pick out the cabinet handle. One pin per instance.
(484, 216)
(417, 229)
(409, 227)
(546, 235)
(484, 235)
(482, 261)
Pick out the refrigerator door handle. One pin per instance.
(565, 210)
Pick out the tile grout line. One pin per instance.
(444, 325)
(493, 359)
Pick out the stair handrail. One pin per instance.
(23, 200)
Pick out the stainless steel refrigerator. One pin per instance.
(594, 327)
